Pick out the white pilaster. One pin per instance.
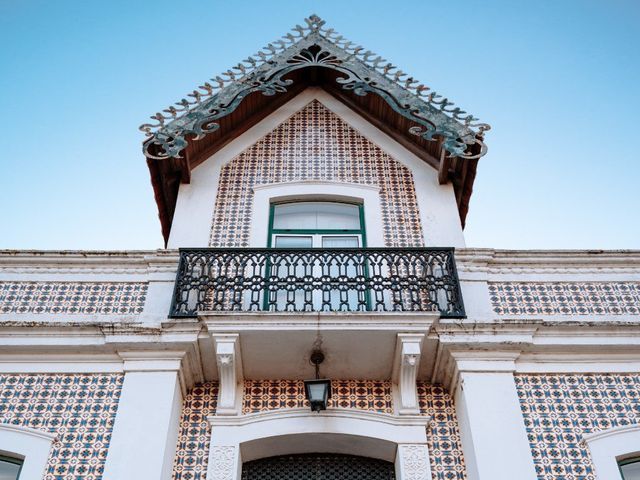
(412, 462)
(229, 361)
(405, 371)
(145, 432)
(494, 437)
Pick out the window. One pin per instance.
(10, 468)
(330, 225)
(316, 224)
(630, 469)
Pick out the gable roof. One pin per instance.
(186, 133)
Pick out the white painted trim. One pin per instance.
(412, 462)
(384, 321)
(492, 430)
(230, 374)
(405, 372)
(151, 361)
(305, 413)
(28, 444)
(60, 363)
(266, 194)
(356, 432)
(146, 428)
(610, 446)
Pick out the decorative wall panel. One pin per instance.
(264, 395)
(559, 409)
(315, 144)
(192, 453)
(445, 447)
(79, 409)
(72, 298)
(594, 298)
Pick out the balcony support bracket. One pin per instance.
(405, 372)
(229, 361)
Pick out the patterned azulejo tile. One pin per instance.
(559, 409)
(192, 452)
(73, 298)
(79, 409)
(315, 144)
(265, 395)
(443, 437)
(549, 298)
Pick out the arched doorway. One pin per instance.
(318, 466)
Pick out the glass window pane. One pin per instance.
(295, 216)
(293, 241)
(340, 241)
(9, 470)
(338, 216)
(631, 471)
(316, 216)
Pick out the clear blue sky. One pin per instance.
(559, 81)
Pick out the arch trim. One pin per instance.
(29, 445)
(401, 439)
(609, 446)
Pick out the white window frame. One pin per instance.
(399, 439)
(310, 191)
(610, 446)
(29, 445)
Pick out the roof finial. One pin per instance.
(314, 22)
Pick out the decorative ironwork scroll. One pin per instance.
(318, 466)
(308, 46)
(299, 280)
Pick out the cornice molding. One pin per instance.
(547, 261)
(88, 262)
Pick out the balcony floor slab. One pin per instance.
(356, 344)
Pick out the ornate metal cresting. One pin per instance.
(318, 466)
(313, 45)
(297, 280)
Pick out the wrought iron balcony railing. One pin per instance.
(319, 279)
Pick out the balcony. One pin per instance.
(317, 280)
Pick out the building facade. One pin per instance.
(312, 199)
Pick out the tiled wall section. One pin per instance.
(72, 298)
(594, 298)
(315, 144)
(79, 408)
(193, 441)
(559, 409)
(447, 462)
(263, 395)
(445, 447)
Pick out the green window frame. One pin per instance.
(627, 461)
(15, 461)
(283, 231)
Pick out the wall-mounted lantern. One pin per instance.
(317, 391)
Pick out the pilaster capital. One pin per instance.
(452, 364)
(178, 361)
(151, 361)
